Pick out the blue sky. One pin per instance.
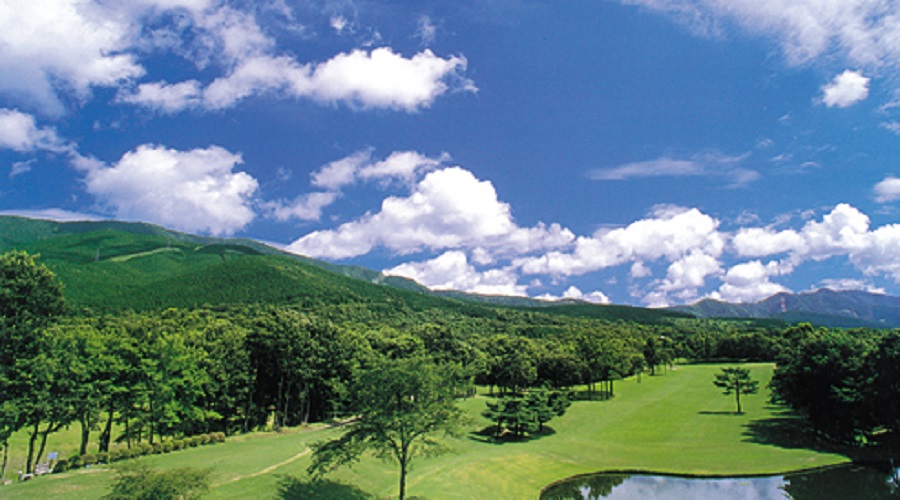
(648, 152)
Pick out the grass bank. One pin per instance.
(676, 423)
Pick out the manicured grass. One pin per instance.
(676, 423)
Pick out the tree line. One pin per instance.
(132, 377)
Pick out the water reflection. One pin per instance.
(851, 481)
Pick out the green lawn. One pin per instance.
(674, 423)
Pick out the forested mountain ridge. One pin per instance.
(849, 308)
(111, 265)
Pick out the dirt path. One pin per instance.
(267, 469)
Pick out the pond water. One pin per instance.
(870, 482)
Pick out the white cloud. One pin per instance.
(750, 282)
(403, 165)
(847, 89)
(55, 214)
(574, 293)
(193, 190)
(165, 97)
(426, 31)
(19, 132)
(383, 79)
(705, 165)
(861, 31)
(887, 190)
(671, 233)
(850, 284)
(340, 173)
(452, 271)
(66, 46)
(448, 209)
(307, 207)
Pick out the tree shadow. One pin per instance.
(720, 413)
(788, 429)
(488, 435)
(291, 488)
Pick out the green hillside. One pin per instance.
(109, 265)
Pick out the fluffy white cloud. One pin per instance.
(887, 190)
(61, 45)
(574, 293)
(448, 209)
(19, 132)
(195, 190)
(671, 232)
(847, 89)
(750, 281)
(452, 271)
(55, 48)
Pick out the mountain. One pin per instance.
(848, 309)
(110, 265)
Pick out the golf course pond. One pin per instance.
(869, 481)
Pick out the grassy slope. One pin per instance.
(676, 423)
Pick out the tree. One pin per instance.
(738, 381)
(400, 405)
(30, 297)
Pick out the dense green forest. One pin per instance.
(138, 337)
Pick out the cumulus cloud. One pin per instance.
(847, 89)
(61, 45)
(671, 233)
(574, 293)
(57, 49)
(887, 190)
(750, 281)
(448, 209)
(704, 165)
(19, 132)
(196, 190)
(453, 271)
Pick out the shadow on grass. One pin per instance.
(291, 488)
(787, 429)
(488, 435)
(720, 413)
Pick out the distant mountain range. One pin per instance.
(847, 309)
(111, 265)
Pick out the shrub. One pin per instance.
(168, 446)
(88, 459)
(145, 448)
(157, 448)
(193, 441)
(136, 480)
(218, 437)
(62, 465)
(75, 462)
(204, 439)
(178, 444)
(103, 457)
(115, 455)
(126, 453)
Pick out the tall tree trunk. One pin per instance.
(51, 428)
(107, 431)
(5, 461)
(29, 462)
(85, 420)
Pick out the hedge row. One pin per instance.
(140, 449)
